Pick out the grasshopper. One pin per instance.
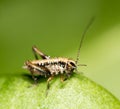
(50, 67)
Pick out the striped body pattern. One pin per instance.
(51, 67)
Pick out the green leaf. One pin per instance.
(78, 92)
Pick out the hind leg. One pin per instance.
(37, 51)
(35, 70)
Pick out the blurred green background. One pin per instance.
(55, 26)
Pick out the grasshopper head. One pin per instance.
(72, 65)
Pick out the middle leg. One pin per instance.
(48, 84)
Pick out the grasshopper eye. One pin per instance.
(72, 64)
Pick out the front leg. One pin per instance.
(67, 75)
(37, 51)
(62, 78)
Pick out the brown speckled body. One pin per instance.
(51, 67)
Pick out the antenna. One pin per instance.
(83, 35)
